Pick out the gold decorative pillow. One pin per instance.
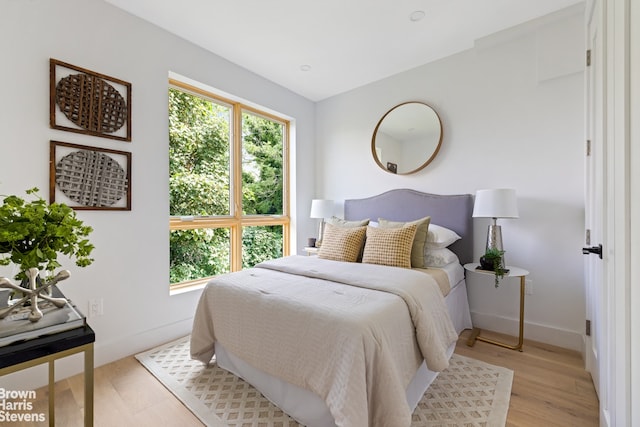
(389, 246)
(419, 241)
(342, 243)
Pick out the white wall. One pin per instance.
(512, 113)
(130, 271)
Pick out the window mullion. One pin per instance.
(236, 173)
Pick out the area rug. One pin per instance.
(469, 393)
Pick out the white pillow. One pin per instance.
(440, 237)
(439, 257)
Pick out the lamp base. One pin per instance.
(494, 239)
(320, 233)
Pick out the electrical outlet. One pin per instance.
(96, 307)
(528, 287)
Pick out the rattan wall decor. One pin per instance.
(89, 178)
(87, 102)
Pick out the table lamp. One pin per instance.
(494, 204)
(321, 209)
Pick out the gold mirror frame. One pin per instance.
(412, 124)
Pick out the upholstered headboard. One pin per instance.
(451, 211)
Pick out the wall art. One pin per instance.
(87, 102)
(89, 178)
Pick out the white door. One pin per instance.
(596, 349)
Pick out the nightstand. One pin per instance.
(513, 272)
(311, 250)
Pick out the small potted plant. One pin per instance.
(34, 233)
(493, 260)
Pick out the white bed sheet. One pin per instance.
(308, 408)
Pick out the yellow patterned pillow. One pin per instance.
(341, 243)
(389, 246)
(419, 241)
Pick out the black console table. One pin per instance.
(47, 349)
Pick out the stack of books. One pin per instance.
(16, 326)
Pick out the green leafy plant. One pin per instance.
(34, 233)
(493, 257)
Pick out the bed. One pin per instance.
(343, 343)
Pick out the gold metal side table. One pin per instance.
(513, 272)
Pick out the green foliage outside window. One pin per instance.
(262, 178)
(260, 244)
(198, 253)
(198, 156)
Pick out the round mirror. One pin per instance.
(407, 138)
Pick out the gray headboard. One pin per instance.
(451, 211)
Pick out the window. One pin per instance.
(228, 185)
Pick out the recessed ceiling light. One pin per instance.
(416, 15)
(305, 67)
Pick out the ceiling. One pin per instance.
(322, 48)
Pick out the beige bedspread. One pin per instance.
(352, 333)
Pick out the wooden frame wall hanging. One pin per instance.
(87, 102)
(89, 178)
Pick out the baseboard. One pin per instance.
(572, 340)
(104, 352)
(109, 351)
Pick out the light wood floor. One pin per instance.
(550, 388)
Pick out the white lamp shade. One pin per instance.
(496, 203)
(321, 208)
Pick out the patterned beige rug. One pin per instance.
(469, 393)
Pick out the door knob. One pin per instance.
(593, 250)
